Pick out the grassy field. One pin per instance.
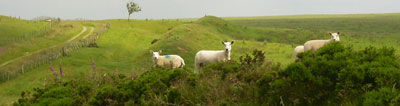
(358, 30)
(35, 46)
(12, 27)
(54, 36)
(125, 46)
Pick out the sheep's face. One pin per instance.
(155, 54)
(228, 46)
(335, 36)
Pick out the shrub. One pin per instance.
(334, 75)
(154, 41)
(382, 97)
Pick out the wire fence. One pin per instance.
(47, 56)
(29, 35)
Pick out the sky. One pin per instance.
(170, 9)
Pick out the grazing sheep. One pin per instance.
(314, 45)
(297, 50)
(169, 61)
(204, 57)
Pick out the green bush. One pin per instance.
(334, 75)
(382, 97)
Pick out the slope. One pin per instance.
(14, 27)
(359, 30)
(125, 47)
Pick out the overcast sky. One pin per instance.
(163, 9)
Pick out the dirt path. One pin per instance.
(29, 54)
(91, 31)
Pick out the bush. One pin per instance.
(154, 41)
(382, 97)
(334, 75)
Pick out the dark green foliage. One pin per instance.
(154, 41)
(66, 93)
(333, 75)
(249, 62)
(112, 90)
(382, 97)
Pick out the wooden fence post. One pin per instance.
(8, 75)
(3, 76)
(63, 51)
(22, 69)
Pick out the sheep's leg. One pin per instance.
(171, 64)
(196, 67)
(313, 49)
(181, 65)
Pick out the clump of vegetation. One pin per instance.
(335, 75)
(248, 62)
(154, 41)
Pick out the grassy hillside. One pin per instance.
(359, 30)
(334, 75)
(28, 51)
(54, 36)
(13, 27)
(125, 46)
(208, 32)
(117, 49)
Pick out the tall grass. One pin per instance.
(11, 28)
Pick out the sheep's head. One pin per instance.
(228, 46)
(335, 36)
(155, 54)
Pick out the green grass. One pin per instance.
(13, 27)
(26, 51)
(54, 36)
(359, 30)
(125, 46)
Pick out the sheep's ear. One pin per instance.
(159, 52)
(232, 42)
(330, 33)
(151, 51)
(222, 42)
(338, 33)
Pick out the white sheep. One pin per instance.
(169, 61)
(204, 57)
(297, 50)
(314, 45)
